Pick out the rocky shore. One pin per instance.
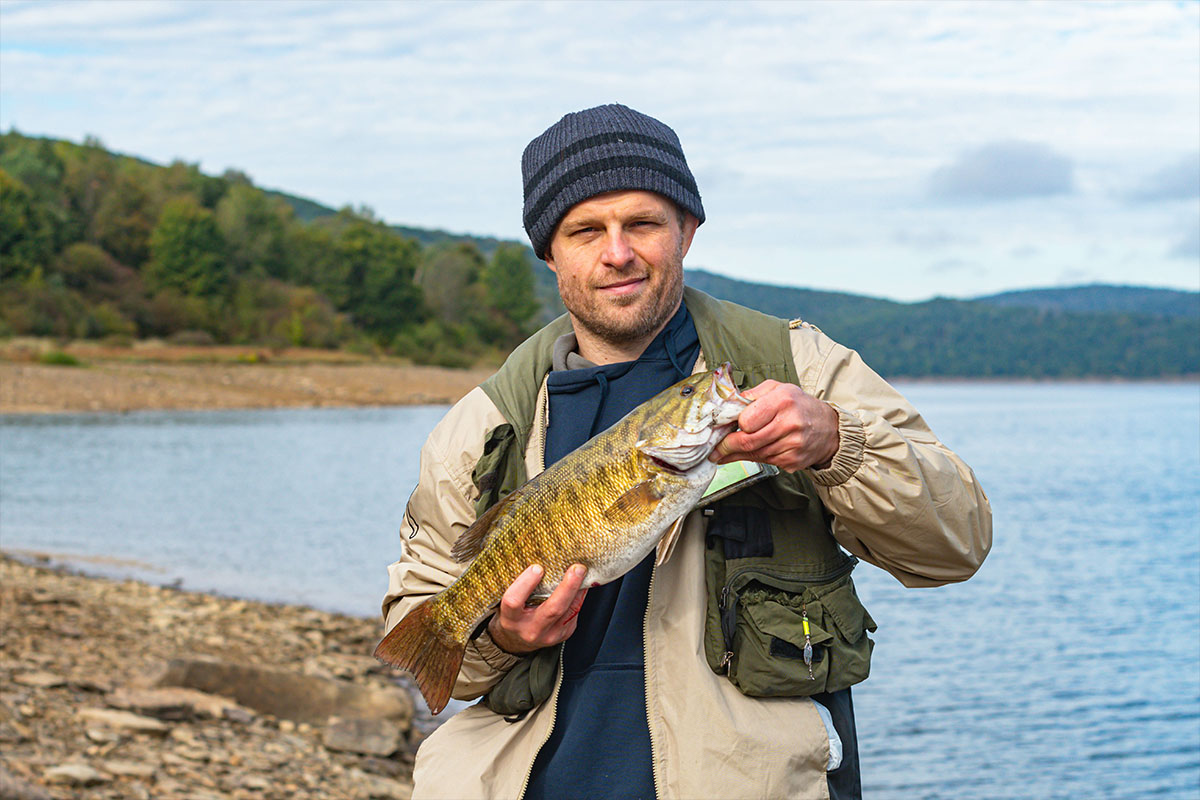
(120, 689)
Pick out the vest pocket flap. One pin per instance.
(847, 612)
(779, 615)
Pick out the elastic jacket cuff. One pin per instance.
(852, 442)
(491, 653)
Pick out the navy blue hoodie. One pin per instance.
(600, 746)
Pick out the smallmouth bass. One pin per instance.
(606, 505)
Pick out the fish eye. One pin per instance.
(685, 391)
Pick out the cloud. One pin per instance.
(1189, 245)
(1178, 181)
(931, 239)
(1006, 170)
(1076, 276)
(952, 265)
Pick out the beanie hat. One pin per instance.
(601, 149)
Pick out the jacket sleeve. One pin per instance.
(439, 510)
(900, 498)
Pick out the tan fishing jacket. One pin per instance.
(900, 499)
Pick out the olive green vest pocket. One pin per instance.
(782, 616)
(787, 638)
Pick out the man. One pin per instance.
(722, 671)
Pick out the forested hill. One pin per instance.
(1099, 297)
(1087, 331)
(99, 245)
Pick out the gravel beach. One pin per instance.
(150, 376)
(120, 689)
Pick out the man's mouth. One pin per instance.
(623, 286)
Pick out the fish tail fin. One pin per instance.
(427, 650)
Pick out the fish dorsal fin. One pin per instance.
(471, 542)
(635, 505)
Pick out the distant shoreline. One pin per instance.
(155, 376)
(1095, 379)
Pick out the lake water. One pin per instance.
(1069, 667)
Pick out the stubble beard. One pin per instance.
(599, 319)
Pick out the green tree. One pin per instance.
(26, 232)
(88, 172)
(123, 220)
(509, 282)
(449, 277)
(253, 226)
(187, 252)
(183, 178)
(86, 267)
(375, 269)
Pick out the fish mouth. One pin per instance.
(723, 393)
(665, 466)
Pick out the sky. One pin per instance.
(896, 149)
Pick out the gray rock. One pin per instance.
(287, 694)
(39, 679)
(91, 683)
(123, 720)
(373, 787)
(102, 735)
(13, 733)
(387, 767)
(255, 783)
(75, 775)
(369, 737)
(14, 788)
(173, 703)
(129, 769)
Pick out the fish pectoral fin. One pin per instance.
(635, 505)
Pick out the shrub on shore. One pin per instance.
(57, 358)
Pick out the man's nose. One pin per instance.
(617, 252)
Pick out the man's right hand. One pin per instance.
(519, 628)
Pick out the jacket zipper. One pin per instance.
(549, 730)
(541, 445)
(541, 460)
(646, 679)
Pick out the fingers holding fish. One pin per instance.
(519, 627)
(783, 426)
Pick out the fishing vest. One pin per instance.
(782, 615)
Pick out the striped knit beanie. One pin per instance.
(598, 150)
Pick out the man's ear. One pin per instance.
(690, 223)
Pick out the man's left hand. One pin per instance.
(783, 426)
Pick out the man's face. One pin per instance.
(619, 261)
